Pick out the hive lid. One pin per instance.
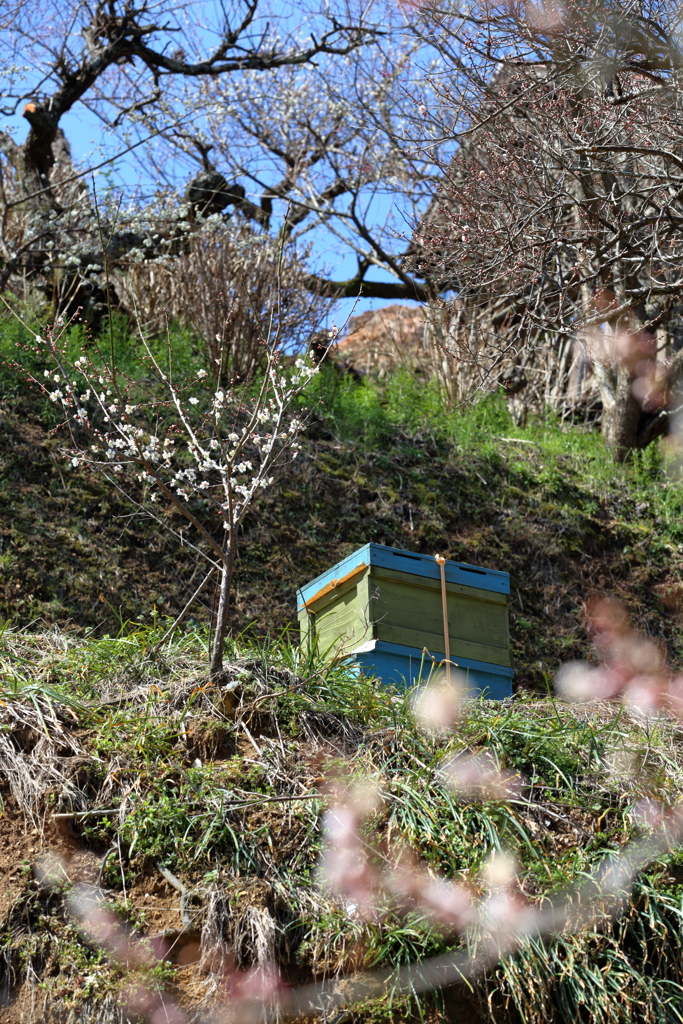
(410, 562)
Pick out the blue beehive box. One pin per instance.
(381, 607)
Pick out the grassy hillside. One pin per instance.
(226, 797)
(385, 463)
(217, 792)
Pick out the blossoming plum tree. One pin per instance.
(189, 441)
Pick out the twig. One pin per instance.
(232, 803)
(112, 849)
(275, 799)
(184, 612)
(171, 878)
(71, 815)
(185, 915)
(252, 740)
(123, 873)
(551, 814)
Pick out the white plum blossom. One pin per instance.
(174, 454)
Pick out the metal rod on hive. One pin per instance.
(441, 562)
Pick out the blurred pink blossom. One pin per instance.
(648, 813)
(546, 16)
(505, 918)
(478, 777)
(633, 666)
(103, 927)
(437, 706)
(248, 994)
(345, 864)
(444, 903)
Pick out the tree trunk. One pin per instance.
(620, 410)
(216, 666)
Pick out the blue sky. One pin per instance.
(90, 143)
(84, 132)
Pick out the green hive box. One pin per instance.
(382, 606)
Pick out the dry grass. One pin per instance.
(221, 786)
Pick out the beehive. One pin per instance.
(382, 607)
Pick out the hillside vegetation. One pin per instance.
(383, 462)
(207, 806)
(207, 797)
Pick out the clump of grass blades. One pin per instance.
(621, 972)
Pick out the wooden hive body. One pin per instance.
(382, 606)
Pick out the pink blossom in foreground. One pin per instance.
(248, 994)
(245, 993)
(505, 914)
(437, 707)
(345, 865)
(633, 666)
(105, 929)
(478, 777)
(102, 925)
(445, 903)
(546, 17)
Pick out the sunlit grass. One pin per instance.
(246, 809)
